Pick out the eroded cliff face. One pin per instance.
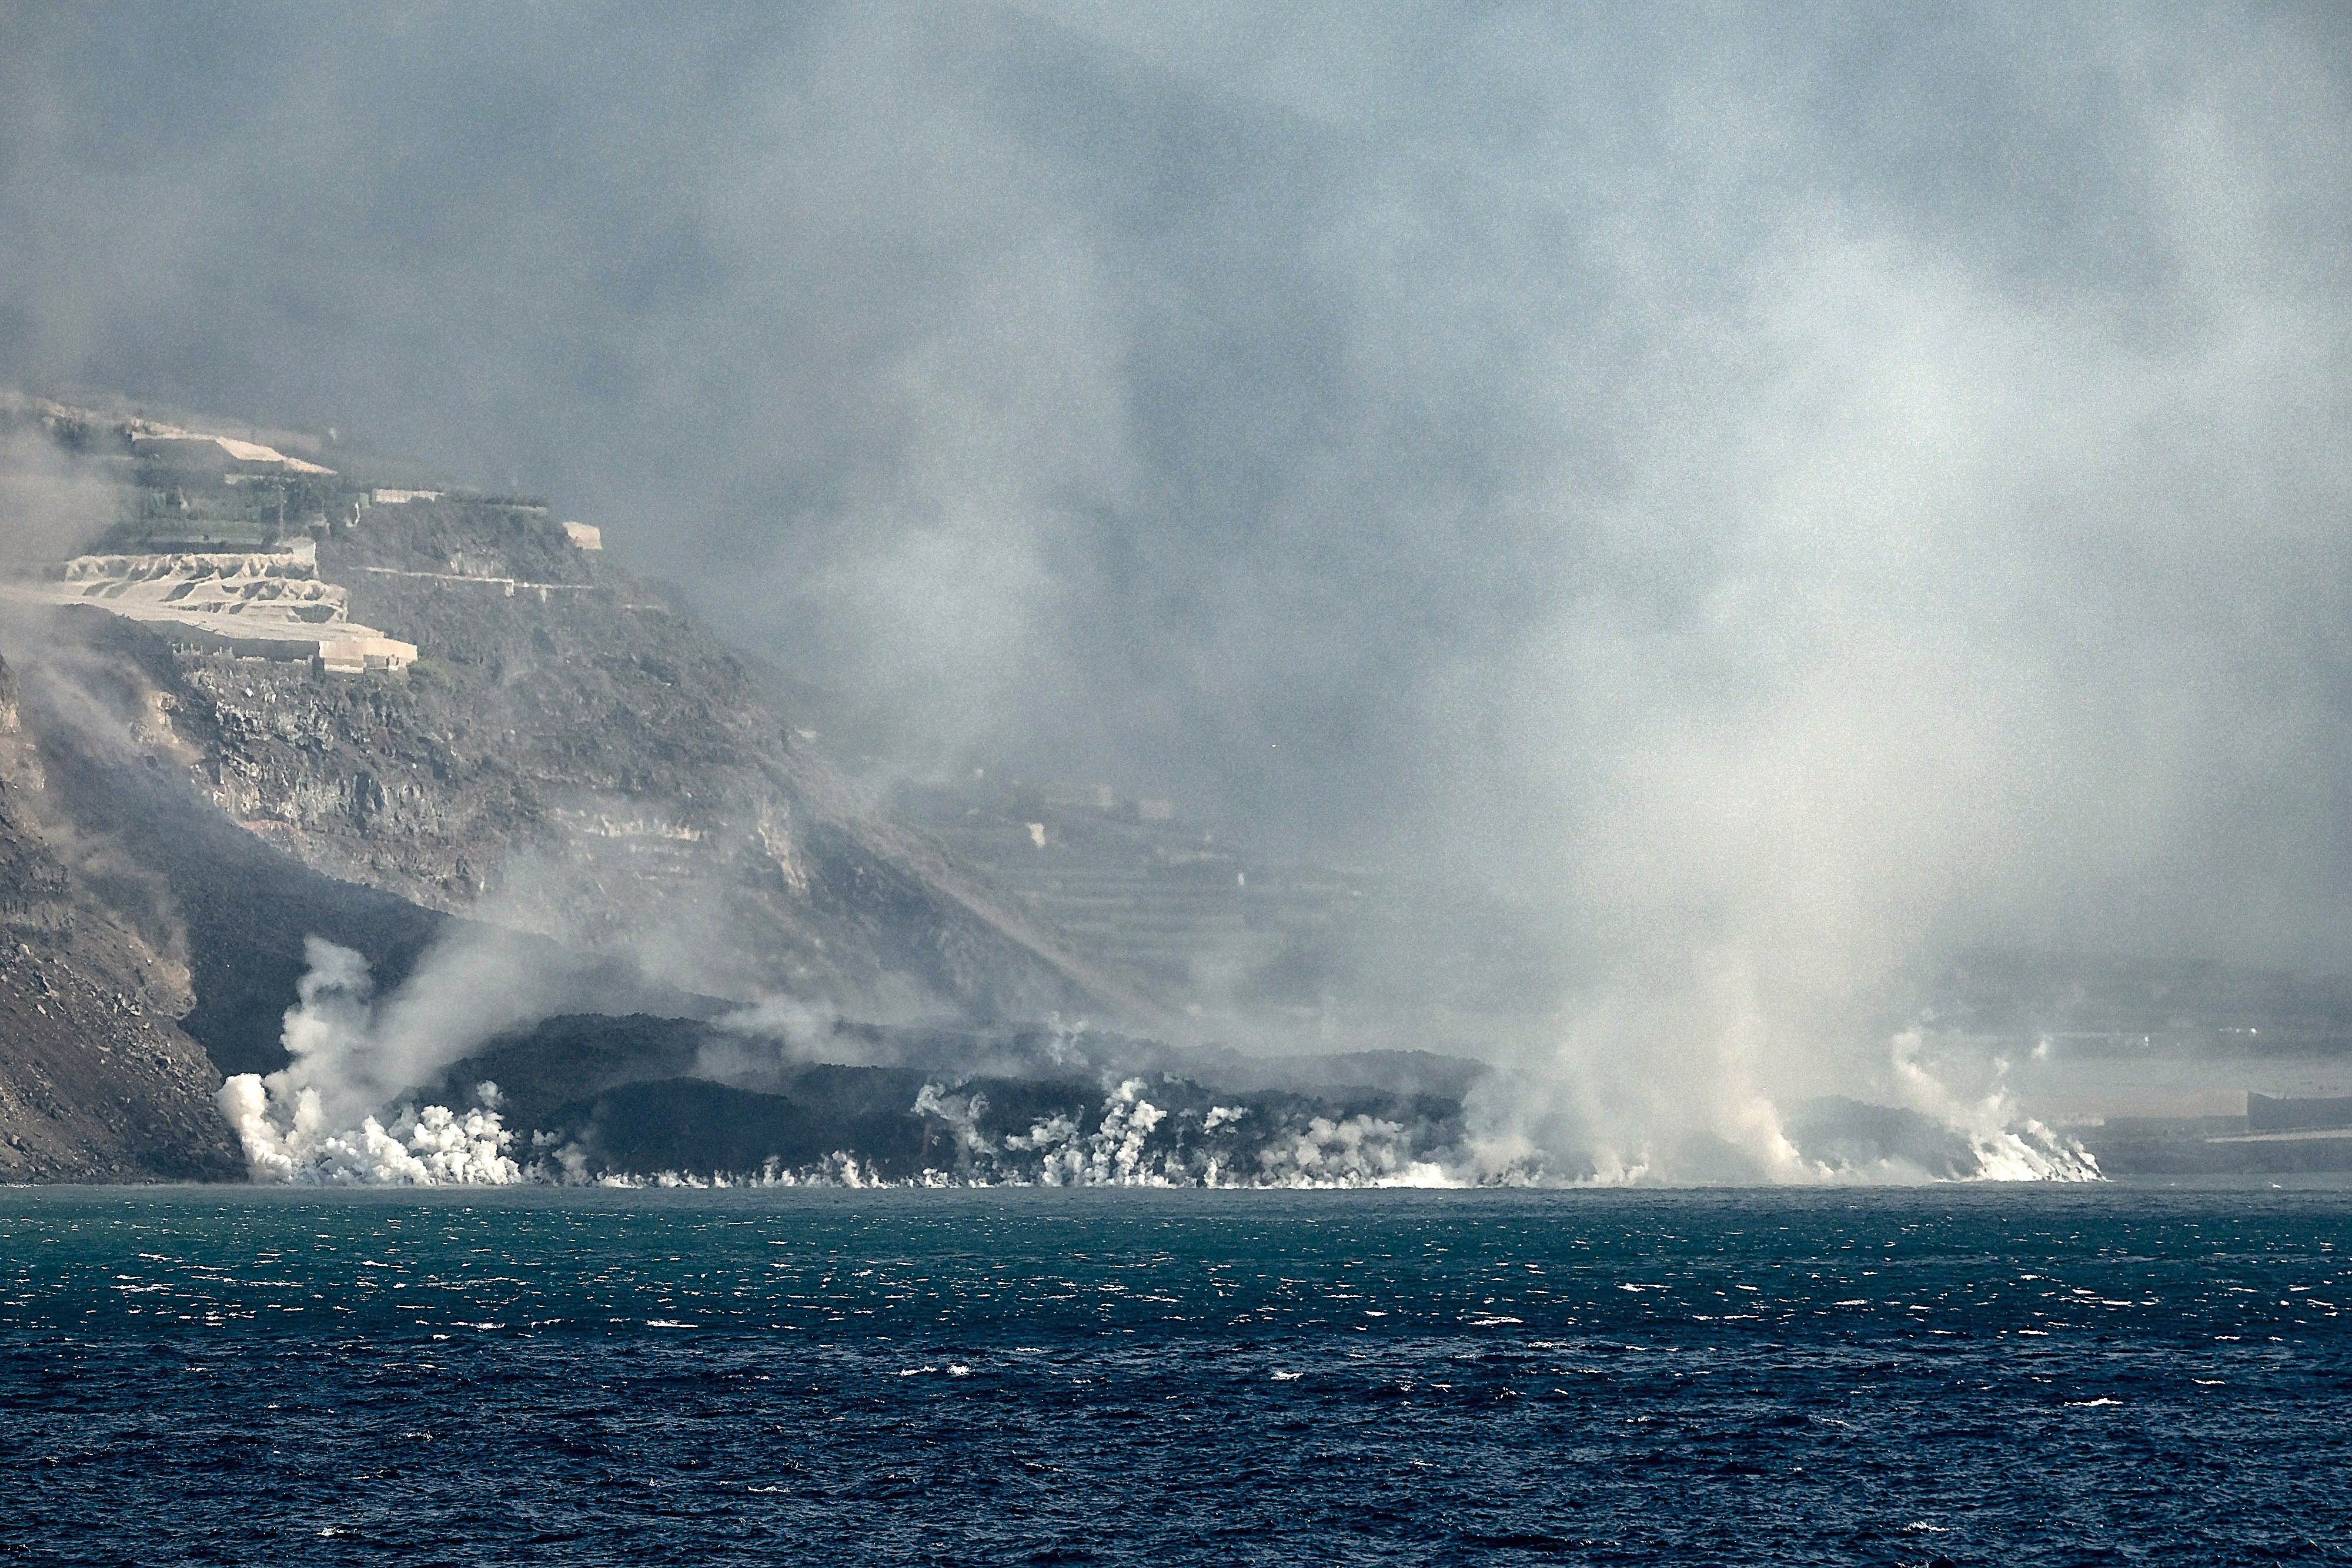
(93, 1088)
(573, 757)
(573, 777)
(96, 1082)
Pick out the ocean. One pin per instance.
(2041, 1374)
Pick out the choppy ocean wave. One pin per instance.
(568, 1377)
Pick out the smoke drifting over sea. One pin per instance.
(1788, 497)
(348, 1110)
(316, 1118)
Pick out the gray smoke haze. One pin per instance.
(54, 503)
(1789, 491)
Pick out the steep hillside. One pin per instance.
(573, 756)
(412, 778)
(96, 1082)
(120, 744)
(280, 712)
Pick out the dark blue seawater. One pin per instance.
(2010, 1375)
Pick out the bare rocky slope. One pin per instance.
(573, 756)
(571, 777)
(96, 1082)
(576, 779)
(574, 769)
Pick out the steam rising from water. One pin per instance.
(317, 1119)
(2008, 1145)
(1794, 491)
(1729, 1073)
(323, 1118)
(426, 1146)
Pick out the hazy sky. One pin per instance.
(1817, 479)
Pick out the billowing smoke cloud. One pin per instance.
(1790, 494)
(52, 503)
(356, 1057)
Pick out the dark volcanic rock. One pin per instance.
(574, 771)
(572, 755)
(1856, 1134)
(690, 1125)
(240, 904)
(573, 759)
(93, 1089)
(563, 1060)
(601, 1096)
(96, 1083)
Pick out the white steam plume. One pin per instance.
(52, 504)
(1796, 498)
(321, 1117)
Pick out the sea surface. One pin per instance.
(2021, 1374)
